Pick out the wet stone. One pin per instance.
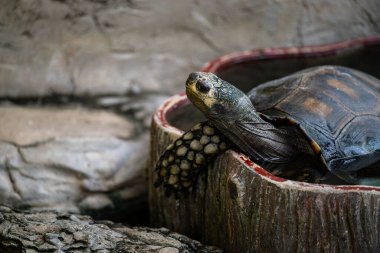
(164, 162)
(178, 143)
(171, 158)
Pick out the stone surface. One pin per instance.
(28, 125)
(103, 47)
(54, 232)
(72, 159)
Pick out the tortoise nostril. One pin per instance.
(193, 76)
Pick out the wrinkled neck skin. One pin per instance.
(256, 137)
(241, 111)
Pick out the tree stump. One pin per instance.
(240, 207)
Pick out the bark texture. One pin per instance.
(238, 208)
(54, 232)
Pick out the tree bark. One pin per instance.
(55, 232)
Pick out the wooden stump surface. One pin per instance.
(239, 207)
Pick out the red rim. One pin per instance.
(287, 52)
(225, 61)
(168, 106)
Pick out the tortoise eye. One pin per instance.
(202, 87)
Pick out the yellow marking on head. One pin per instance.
(199, 99)
(342, 87)
(209, 101)
(317, 107)
(315, 147)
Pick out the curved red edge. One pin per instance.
(225, 61)
(287, 52)
(260, 170)
(167, 107)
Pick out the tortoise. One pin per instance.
(319, 125)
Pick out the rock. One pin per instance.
(73, 159)
(102, 47)
(143, 107)
(27, 125)
(123, 73)
(58, 232)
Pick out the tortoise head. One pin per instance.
(216, 98)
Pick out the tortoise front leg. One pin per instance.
(179, 166)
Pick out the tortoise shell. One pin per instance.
(337, 107)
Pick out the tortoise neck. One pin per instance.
(253, 135)
(245, 111)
